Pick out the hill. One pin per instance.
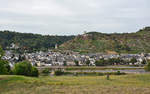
(92, 42)
(31, 42)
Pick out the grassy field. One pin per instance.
(124, 84)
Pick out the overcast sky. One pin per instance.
(71, 17)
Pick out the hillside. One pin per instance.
(31, 42)
(110, 43)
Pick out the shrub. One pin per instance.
(25, 68)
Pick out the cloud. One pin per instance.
(67, 17)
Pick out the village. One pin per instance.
(69, 58)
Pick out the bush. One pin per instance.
(147, 67)
(59, 72)
(118, 73)
(25, 68)
(34, 72)
(4, 67)
(100, 73)
(101, 62)
(46, 71)
(133, 61)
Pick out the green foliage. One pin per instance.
(133, 60)
(65, 63)
(25, 68)
(87, 62)
(111, 61)
(76, 63)
(59, 72)
(1, 52)
(118, 73)
(31, 42)
(99, 73)
(4, 67)
(100, 62)
(118, 43)
(46, 71)
(147, 67)
(34, 72)
(144, 61)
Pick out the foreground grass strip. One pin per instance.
(124, 84)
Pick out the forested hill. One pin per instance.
(31, 42)
(111, 43)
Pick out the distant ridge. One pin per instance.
(31, 42)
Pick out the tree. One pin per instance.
(21, 58)
(76, 63)
(118, 60)
(64, 63)
(100, 62)
(87, 62)
(143, 62)
(112, 61)
(147, 67)
(34, 72)
(25, 68)
(59, 72)
(4, 67)
(46, 71)
(1, 52)
(133, 60)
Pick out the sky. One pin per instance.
(72, 17)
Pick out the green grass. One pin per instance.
(124, 84)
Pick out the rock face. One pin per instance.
(117, 43)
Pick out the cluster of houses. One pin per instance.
(52, 58)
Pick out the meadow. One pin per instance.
(118, 84)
